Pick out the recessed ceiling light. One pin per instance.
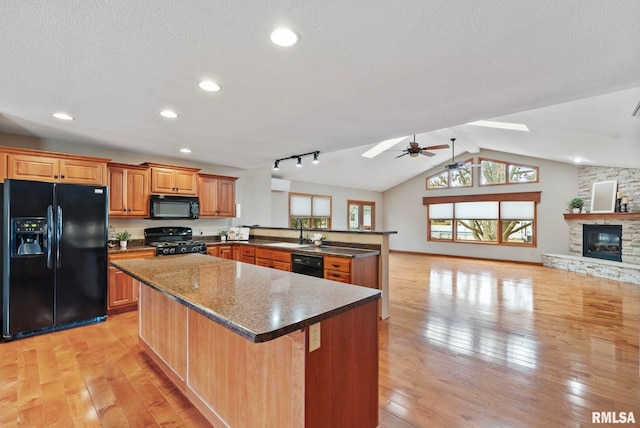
(500, 125)
(169, 114)
(284, 37)
(381, 147)
(577, 160)
(63, 116)
(185, 150)
(209, 86)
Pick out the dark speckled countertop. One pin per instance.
(256, 302)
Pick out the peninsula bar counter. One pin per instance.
(234, 337)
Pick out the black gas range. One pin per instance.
(169, 241)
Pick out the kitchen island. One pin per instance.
(235, 338)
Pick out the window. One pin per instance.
(497, 172)
(460, 177)
(506, 218)
(361, 215)
(313, 210)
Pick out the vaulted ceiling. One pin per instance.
(362, 72)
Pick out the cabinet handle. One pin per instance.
(62, 176)
(335, 265)
(55, 176)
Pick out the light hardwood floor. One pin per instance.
(469, 344)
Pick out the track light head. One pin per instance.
(315, 157)
(276, 166)
(299, 163)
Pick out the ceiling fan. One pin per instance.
(460, 164)
(414, 150)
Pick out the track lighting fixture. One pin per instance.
(316, 154)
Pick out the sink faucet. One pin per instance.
(299, 224)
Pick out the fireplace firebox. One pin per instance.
(602, 241)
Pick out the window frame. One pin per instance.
(448, 173)
(495, 197)
(362, 204)
(309, 220)
(506, 164)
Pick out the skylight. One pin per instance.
(381, 147)
(500, 125)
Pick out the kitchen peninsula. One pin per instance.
(241, 341)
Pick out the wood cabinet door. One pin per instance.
(212, 251)
(117, 191)
(185, 182)
(29, 167)
(3, 166)
(162, 180)
(224, 251)
(137, 193)
(236, 253)
(226, 198)
(120, 288)
(76, 171)
(208, 195)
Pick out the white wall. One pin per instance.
(405, 213)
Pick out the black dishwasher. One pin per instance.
(307, 264)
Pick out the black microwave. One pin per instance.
(174, 207)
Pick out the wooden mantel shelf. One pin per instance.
(603, 216)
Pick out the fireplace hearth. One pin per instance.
(602, 241)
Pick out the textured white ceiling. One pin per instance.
(363, 72)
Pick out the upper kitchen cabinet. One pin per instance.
(173, 180)
(3, 166)
(56, 168)
(217, 195)
(128, 191)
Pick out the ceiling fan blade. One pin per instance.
(399, 156)
(441, 146)
(426, 153)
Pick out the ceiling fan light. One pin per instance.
(414, 155)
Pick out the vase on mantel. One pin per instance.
(576, 210)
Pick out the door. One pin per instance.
(28, 284)
(361, 215)
(81, 277)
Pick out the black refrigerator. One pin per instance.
(54, 256)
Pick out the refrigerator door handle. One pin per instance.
(49, 235)
(58, 235)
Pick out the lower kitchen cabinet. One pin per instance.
(122, 293)
(274, 259)
(359, 270)
(224, 252)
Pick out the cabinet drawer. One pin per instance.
(282, 256)
(337, 276)
(337, 264)
(263, 262)
(282, 266)
(248, 251)
(248, 259)
(264, 253)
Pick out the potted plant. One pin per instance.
(123, 237)
(223, 235)
(317, 239)
(576, 205)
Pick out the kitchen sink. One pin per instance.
(287, 245)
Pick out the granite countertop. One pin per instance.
(256, 302)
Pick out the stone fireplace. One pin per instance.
(602, 241)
